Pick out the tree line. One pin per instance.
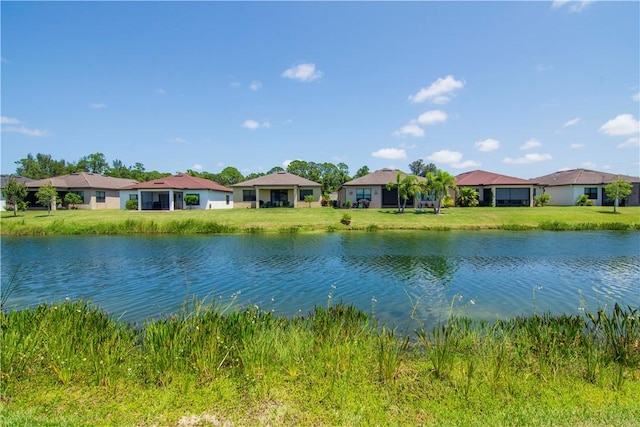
(330, 175)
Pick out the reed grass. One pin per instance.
(71, 363)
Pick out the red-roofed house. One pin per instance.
(168, 194)
(498, 190)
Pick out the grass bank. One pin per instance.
(72, 364)
(304, 220)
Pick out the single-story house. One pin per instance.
(279, 189)
(97, 191)
(498, 190)
(373, 188)
(3, 182)
(564, 187)
(175, 192)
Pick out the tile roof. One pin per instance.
(180, 182)
(379, 177)
(278, 178)
(83, 180)
(484, 178)
(5, 178)
(580, 177)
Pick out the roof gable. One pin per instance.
(484, 178)
(180, 182)
(280, 178)
(379, 177)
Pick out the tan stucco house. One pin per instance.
(564, 187)
(279, 189)
(498, 190)
(373, 188)
(169, 193)
(97, 191)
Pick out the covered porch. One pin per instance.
(160, 200)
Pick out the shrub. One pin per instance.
(348, 204)
(583, 200)
(346, 219)
(131, 205)
(542, 199)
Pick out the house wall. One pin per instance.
(111, 201)
(218, 200)
(264, 194)
(566, 195)
(124, 196)
(350, 193)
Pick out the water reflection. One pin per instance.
(482, 274)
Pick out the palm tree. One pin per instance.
(440, 183)
(407, 187)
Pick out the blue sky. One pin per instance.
(519, 88)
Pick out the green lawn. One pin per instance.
(315, 220)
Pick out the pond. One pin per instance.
(480, 274)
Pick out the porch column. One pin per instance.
(295, 196)
(170, 200)
(139, 199)
(257, 197)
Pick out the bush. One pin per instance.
(132, 205)
(583, 200)
(348, 204)
(542, 199)
(346, 219)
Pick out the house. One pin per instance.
(373, 188)
(498, 190)
(279, 189)
(97, 191)
(564, 187)
(175, 192)
(3, 181)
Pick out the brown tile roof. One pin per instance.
(180, 182)
(580, 177)
(83, 180)
(5, 178)
(484, 178)
(280, 179)
(379, 177)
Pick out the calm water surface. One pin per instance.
(484, 275)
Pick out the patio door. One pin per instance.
(279, 198)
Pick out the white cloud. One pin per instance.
(541, 68)
(8, 120)
(390, 153)
(178, 140)
(438, 92)
(487, 145)
(303, 72)
(634, 141)
(636, 97)
(588, 165)
(576, 145)
(161, 91)
(26, 131)
(286, 163)
(452, 158)
(432, 117)
(252, 124)
(529, 158)
(255, 86)
(410, 130)
(197, 167)
(530, 144)
(571, 122)
(97, 106)
(573, 5)
(624, 124)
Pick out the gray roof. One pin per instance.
(278, 179)
(379, 177)
(580, 177)
(5, 178)
(83, 180)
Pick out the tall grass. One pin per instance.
(334, 357)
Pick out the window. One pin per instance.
(591, 192)
(100, 196)
(304, 193)
(133, 197)
(363, 193)
(248, 195)
(79, 193)
(227, 198)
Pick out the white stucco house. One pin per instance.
(170, 193)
